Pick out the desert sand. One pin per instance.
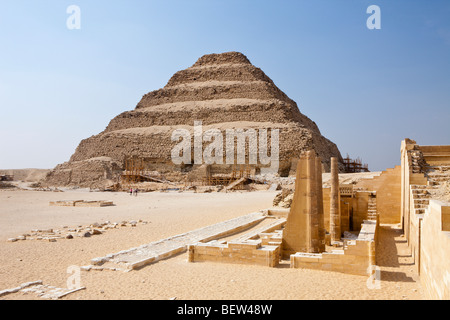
(169, 214)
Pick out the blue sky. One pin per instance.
(366, 89)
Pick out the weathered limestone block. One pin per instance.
(251, 252)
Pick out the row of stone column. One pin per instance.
(305, 227)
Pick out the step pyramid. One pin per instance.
(223, 91)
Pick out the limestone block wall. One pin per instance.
(249, 252)
(435, 249)
(356, 258)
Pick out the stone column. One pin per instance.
(335, 214)
(301, 233)
(312, 218)
(320, 214)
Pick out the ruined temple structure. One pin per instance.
(220, 91)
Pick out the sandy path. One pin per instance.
(173, 214)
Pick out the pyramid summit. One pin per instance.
(222, 91)
(214, 77)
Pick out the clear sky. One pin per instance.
(366, 89)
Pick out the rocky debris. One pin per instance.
(22, 286)
(96, 232)
(133, 223)
(441, 192)
(7, 185)
(208, 189)
(40, 290)
(275, 187)
(81, 203)
(275, 179)
(284, 198)
(94, 229)
(417, 161)
(48, 189)
(350, 236)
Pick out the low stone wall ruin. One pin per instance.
(356, 257)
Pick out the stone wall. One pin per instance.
(356, 258)
(249, 252)
(434, 251)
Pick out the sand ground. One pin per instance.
(171, 214)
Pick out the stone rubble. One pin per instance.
(40, 290)
(52, 235)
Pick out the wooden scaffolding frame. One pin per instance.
(134, 171)
(354, 165)
(239, 172)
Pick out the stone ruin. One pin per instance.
(329, 228)
(300, 234)
(223, 91)
(340, 233)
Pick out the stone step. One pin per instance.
(420, 192)
(420, 206)
(439, 179)
(421, 201)
(418, 187)
(421, 197)
(420, 211)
